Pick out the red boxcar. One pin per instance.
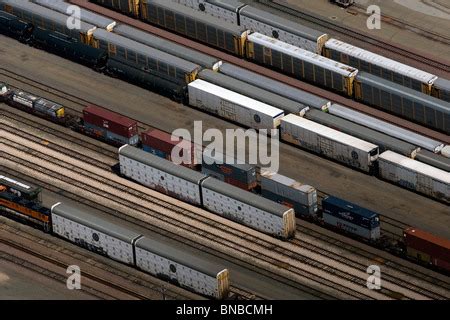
(111, 121)
(160, 143)
(428, 248)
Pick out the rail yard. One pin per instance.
(221, 150)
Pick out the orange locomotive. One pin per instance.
(23, 202)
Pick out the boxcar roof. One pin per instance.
(95, 222)
(442, 242)
(279, 178)
(110, 115)
(147, 51)
(232, 5)
(167, 138)
(332, 134)
(302, 54)
(244, 196)
(436, 160)
(198, 16)
(237, 98)
(383, 126)
(402, 91)
(281, 23)
(4, 14)
(19, 185)
(87, 16)
(160, 163)
(251, 91)
(442, 83)
(49, 14)
(417, 166)
(355, 208)
(179, 255)
(274, 86)
(380, 61)
(360, 131)
(166, 46)
(227, 159)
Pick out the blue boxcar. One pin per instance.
(154, 151)
(110, 136)
(351, 218)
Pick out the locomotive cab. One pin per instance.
(4, 91)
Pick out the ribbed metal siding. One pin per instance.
(405, 102)
(386, 128)
(251, 91)
(276, 86)
(298, 68)
(383, 141)
(433, 159)
(194, 24)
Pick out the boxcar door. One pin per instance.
(325, 145)
(424, 184)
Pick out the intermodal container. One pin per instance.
(111, 122)
(228, 170)
(427, 247)
(289, 192)
(160, 143)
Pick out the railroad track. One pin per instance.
(364, 37)
(70, 102)
(391, 274)
(120, 18)
(106, 282)
(392, 228)
(111, 196)
(148, 286)
(104, 162)
(88, 160)
(290, 254)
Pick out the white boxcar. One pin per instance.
(386, 128)
(329, 142)
(272, 25)
(233, 106)
(160, 174)
(248, 209)
(181, 268)
(93, 233)
(415, 175)
(291, 193)
(380, 66)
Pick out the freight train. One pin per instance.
(90, 231)
(169, 74)
(269, 24)
(97, 122)
(207, 192)
(298, 130)
(363, 158)
(22, 200)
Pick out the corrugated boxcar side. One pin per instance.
(303, 198)
(240, 175)
(426, 244)
(111, 121)
(163, 145)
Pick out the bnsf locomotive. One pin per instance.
(22, 201)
